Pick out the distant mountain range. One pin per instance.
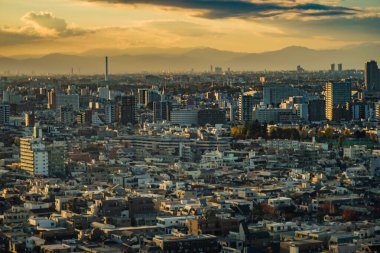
(185, 59)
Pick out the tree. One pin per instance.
(329, 131)
(349, 215)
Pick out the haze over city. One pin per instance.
(169, 27)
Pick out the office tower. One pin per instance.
(4, 114)
(141, 96)
(372, 76)
(245, 108)
(104, 92)
(66, 115)
(317, 110)
(56, 159)
(273, 94)
(128, 110)
(211, 116)
(29, 119)
(33, 155)
(338, 98)
(340, 67)
(332, 67)
(161, 111)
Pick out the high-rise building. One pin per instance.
(104, 92)
(317, 110)
(33, 155)
(56, 159)
(245, 108)
(340, 67)
(51, 99)
(128, 110)
(141, 96)
(66, 114)
(161, 111)
(110, 114)
(4, 114)
(332, 67)
(152, 96)
(372, 76)
(338, 98)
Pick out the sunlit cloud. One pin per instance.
(39, 26)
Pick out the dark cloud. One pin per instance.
(348, 29)
(242, 8)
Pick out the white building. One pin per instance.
(104, 92)
(34, 156)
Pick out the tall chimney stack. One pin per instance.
(106, 77)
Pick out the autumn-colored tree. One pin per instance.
(349, 215)
(235, 131)
(329, 131)
(320, 132)
(267, 209)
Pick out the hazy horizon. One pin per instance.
(43, 27)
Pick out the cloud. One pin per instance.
(39, 26)
(9, 36)
(214, 9)
(182, 28)
(347, 29)
(46, 22)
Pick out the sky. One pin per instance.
(42, 27)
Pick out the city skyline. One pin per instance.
(71, 26)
